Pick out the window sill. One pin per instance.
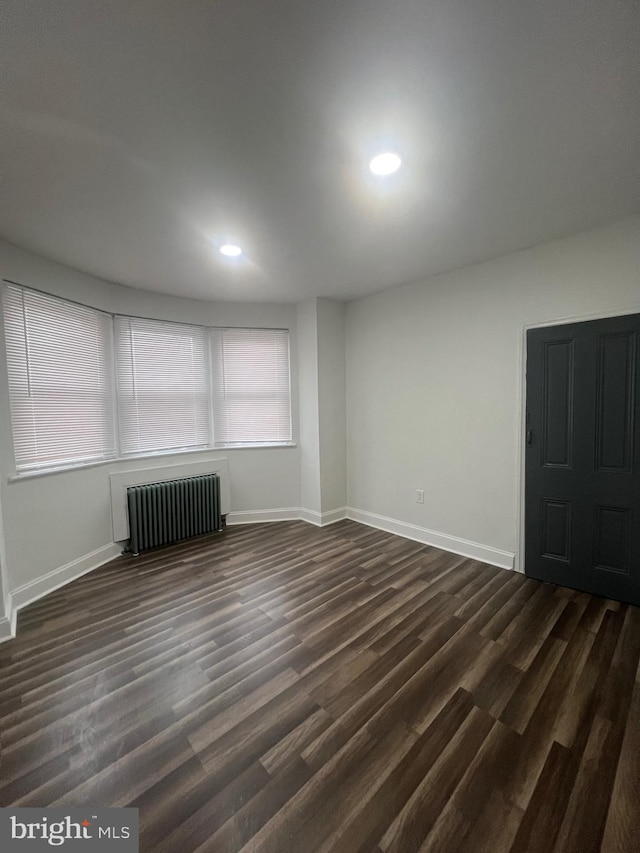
(270, 446)
(64, 469)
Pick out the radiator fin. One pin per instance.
(161, 513)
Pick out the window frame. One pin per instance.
(98, 387)
(216, 337)
(119, 455)
(121, 366)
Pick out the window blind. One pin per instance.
(163, 387)
(251, 386)
(59, 359)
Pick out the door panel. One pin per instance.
(582, 491)
(612, 535)
(556, 530)
(558, 403)
(614, 425)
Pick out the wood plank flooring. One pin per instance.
(287, 688)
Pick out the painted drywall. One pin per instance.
(321, 374)
(332, 404)
(52, 520)
(433, 385)
(5, 614)
(310, 488)
(434, 379)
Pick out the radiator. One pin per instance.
(160, 513)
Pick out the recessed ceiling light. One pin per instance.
(230, 250)
(385, 164)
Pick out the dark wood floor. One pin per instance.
(286, 688)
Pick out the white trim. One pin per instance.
(522, 412)
(37, 589)
(5, 596)
(333, 515)
(8, 624)
(53, 580)
(521, 392)
(454, 544)
(139, 457)
(151, 474)
(322, 519)
(273, 445)
(261, 516)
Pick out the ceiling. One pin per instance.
(137, 134)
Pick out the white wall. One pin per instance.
(321, 372)
(332, 421)
(434, 379)
(433, 385)
(5, 620)
(310, 489)
(52, 520)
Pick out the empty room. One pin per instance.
(320, 426)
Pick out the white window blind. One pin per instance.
(163, 387)
(59, 359)
(251, 386)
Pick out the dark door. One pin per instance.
(582, 487)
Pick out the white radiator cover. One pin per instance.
(141, 476)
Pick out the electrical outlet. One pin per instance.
(419, 496)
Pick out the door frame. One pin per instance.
(518, 560)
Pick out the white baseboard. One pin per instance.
(322, 519)
(260, 516)
(464, 547)
(8, 623)
(34, 590)
(293, 513)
